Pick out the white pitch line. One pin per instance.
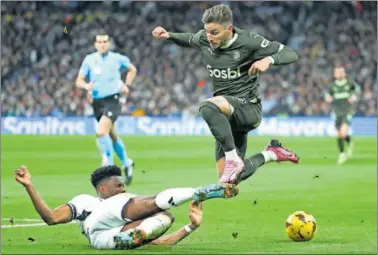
(27, 220)
(24, 225)
(28, 225)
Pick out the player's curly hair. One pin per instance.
(104, 172)
(220, 14)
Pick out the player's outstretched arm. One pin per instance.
(60, 215)
(195, 216)
(269, 53)
(190, 40)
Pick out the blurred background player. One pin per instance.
(119, 220)
(343, 95)
(102, 70)
(234, 59)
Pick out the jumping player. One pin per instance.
(234, 59)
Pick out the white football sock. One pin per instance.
(173, 197)
(269, 156)
(231, 154)
(155, 226)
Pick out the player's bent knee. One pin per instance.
(208, 108)
(170, 215)
(223, 105)
(101, 133)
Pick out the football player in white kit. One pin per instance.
(120, 220)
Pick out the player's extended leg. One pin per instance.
(120, 150)
(144, 206)
(216, 112)
(103, 139)
(340, 126)
(273, 152)
(347, 137)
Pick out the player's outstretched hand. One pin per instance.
(259, 66)
(23, 176)
(195, 214)
(160, 33)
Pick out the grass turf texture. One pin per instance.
(342, 198)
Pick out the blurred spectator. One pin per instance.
(40, 62)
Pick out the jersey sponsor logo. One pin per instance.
(224, 73)
(342, 95)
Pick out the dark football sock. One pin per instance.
(251, 164)
(348, 139)
(340, 142)
(218, 124)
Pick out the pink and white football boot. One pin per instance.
(281, 153)
(232, 169)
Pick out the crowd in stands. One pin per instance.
(44, 43)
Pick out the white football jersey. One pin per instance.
(81, 207)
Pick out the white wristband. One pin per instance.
(188, 229)
(271, 60)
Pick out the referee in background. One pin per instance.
(100, 75)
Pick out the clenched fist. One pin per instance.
(22, 175)
(160, 33)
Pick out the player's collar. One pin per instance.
(228, 44)
(103, 56)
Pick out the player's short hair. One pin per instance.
(220, 14)
(104, 172)
(101, 33)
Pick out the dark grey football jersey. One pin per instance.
(341, 91)
(228, 67)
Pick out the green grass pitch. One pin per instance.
(341, 198)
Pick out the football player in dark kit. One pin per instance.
(234, 58)
(343, 94)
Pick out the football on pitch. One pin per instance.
(300, 226)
